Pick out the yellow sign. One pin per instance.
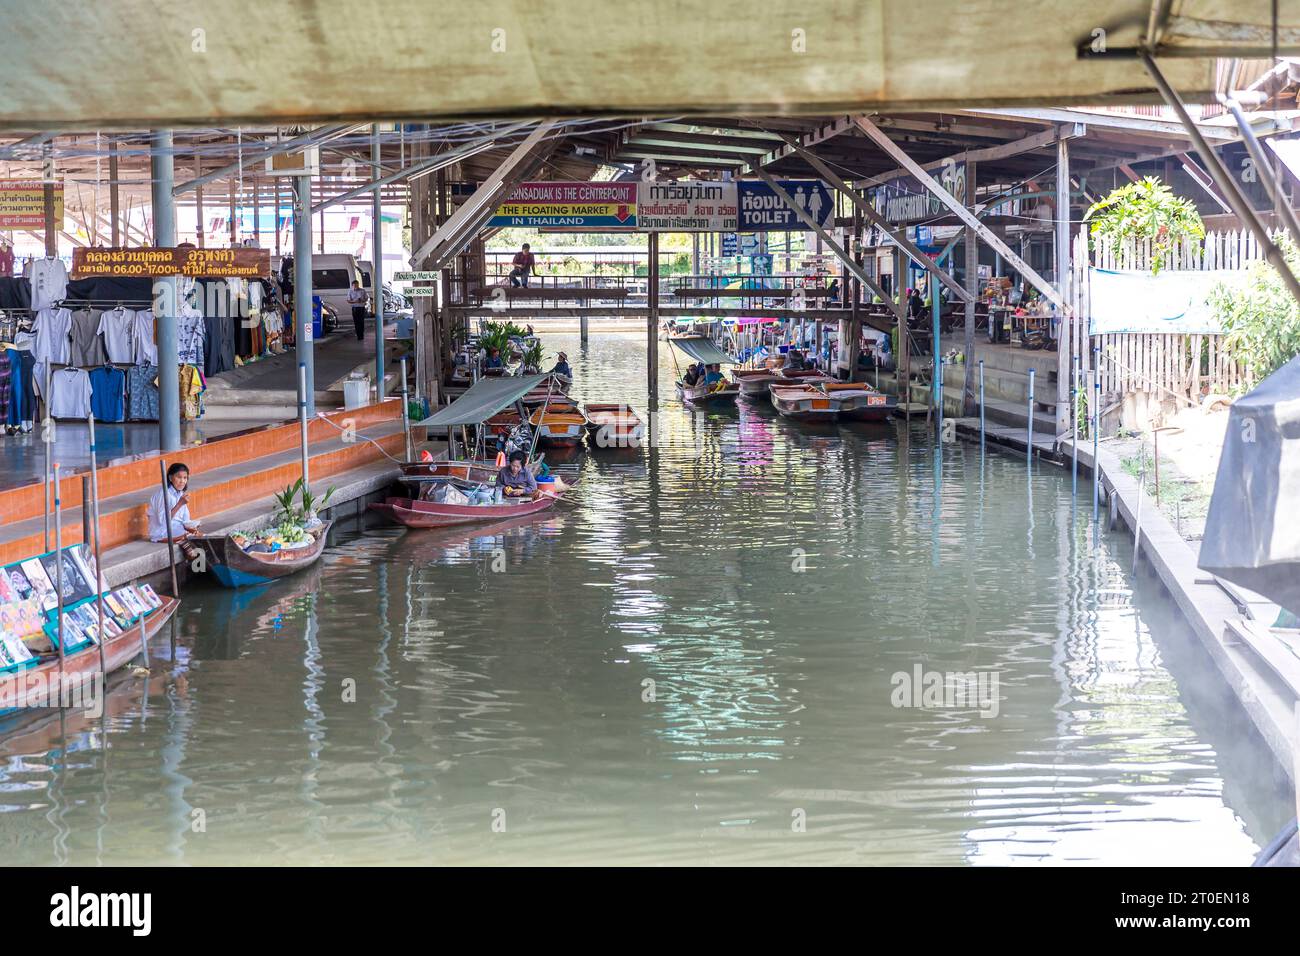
(22, 204)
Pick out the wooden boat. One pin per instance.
(860, 402)
(614, 426)
(476, 470)
(415, 513)
(233, 567)
(805, 403)
(753, 382)
(34, 686)
(804, 375)
(558, 426)
(704, 395)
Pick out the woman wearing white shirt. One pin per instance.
(175, 512)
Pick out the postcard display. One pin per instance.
(29, 606)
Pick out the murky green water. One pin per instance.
(694, 662)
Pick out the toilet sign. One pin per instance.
(762, 211)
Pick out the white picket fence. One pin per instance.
(1183, 365)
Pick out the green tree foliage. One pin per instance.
(1261, 321)
(1147, 209)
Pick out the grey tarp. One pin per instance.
(701, 349)
(484, 399)
(1252, 533)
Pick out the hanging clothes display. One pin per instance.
(117, 327)
(190, 335)
(87, 346)
(53, 330)
(6, 260)
(15, 293)
(6, 385)
(69, 393)
(143, 344)
(191, 388)
(49, 281)
(22, 397)
(218, 345)
(142, 393)
(108, 394)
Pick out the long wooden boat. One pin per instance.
(558, 426)
(706, 396)
(35, 686)
(805, 403)
(478, 469)
(804, 375)
(432, 514)
(233, 567)
(753, 382)
(860, 402)
(614, 426)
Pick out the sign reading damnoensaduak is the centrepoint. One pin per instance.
(685, 206)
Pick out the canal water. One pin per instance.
(752, 643)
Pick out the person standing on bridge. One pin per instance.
(357, 299)
(523, 265)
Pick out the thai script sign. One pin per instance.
(239, 263)
(687, 206)
(762, 211)
(905, 200)
(22, 204)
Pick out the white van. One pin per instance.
(331, 279)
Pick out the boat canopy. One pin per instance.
(701, 349)
(1251, 536)
(484, 399)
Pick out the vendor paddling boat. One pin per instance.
(613, 426)
(239, 560)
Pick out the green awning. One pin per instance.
(484, 399)
(702, 350)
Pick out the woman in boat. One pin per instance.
(169, 510)
(562, 366)
(494, 360)
(514, 480)
(692, 376)
(713, 377)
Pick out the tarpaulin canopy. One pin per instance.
(701, 349)
(484, 399)
(1252, 537)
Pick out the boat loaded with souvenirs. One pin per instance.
(45, 642)
(463, 491)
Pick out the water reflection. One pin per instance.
(695, 653)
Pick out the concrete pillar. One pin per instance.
(302, 285)
(377, 270)
(114, 203)
(200, 233)
(257, 213)
(652, 323)
(163, 175)
(51, 227)
(1063, 359)
(972, 286)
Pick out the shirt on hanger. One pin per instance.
(142, 338)
(70, 393)
(53, 330)
(117, 327)
(108, 394)
(87, 347)
(190, 336)
(49, 279)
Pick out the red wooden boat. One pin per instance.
(805, 403)
(432, 514)
(860, 402)
(34, 686)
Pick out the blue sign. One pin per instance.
(762, 211)
(924, 236)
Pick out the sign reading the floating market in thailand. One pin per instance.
(22, 204)
(240, 263)
(554, 205)
(687, 206)
(762, 211)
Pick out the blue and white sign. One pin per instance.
(746, 244)
(1173, 301)
(762, 211)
